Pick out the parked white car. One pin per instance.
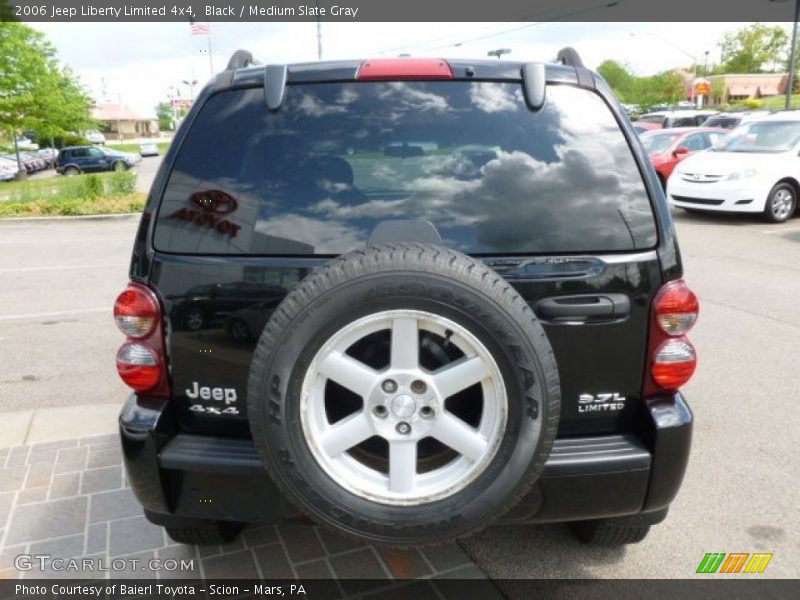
(24, 143)
(95, 137)
(148, 149)
(8, 170)
(753, 169)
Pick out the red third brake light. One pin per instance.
(404, 68)
(141, 361)
(671, 357)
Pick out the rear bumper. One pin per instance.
(182, 476)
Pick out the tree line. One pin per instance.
(37, 93)
(756, 48)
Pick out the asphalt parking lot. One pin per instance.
(58, 341)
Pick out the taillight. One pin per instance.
(674, 362)
(672, 359)
(141, 361)
(138, 366)
(676, 308)
(136, 311)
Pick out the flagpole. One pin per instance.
(210, 60)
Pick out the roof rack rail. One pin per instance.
(534, 81)
(275, 85)
(240, 59)
(570, 57)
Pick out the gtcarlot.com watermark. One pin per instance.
(47, 562)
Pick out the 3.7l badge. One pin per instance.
(594, 403)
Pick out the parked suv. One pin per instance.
(482, 315)
(75, 160)
(677, 118)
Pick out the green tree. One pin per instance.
(164, 116)
(618, 77)
(717, 90)
(663, 88)
(666, 87)
(756, 48)
(36, 93)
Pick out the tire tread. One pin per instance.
(435, 260)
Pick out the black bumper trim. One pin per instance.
(702, 201)
(606, 454)
(206, 454)
(570, 456)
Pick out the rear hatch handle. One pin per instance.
(584, 307)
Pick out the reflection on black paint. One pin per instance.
(209, 306)
(317, 176)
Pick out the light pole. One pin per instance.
(682, 51)
(173, 95)
(792, 53)
(319, 34)
(499, 52)
(191, 83)
(705, 64)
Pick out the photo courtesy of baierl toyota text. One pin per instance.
(380, 300)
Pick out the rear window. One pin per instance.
(317, 176)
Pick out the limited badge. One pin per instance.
(595, 403)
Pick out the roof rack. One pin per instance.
(534, 81)
(274, 77)
(570, 57)
(241, 59)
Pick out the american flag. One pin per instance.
(200, 28)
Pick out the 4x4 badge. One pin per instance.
(592, 403)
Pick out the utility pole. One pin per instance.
(191, 83)
(20, 170)
(705, 65)
(792, 56)
(681, 50)
(319, 34)
(210, 60)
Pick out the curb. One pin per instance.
(73, 217)
(40, 425)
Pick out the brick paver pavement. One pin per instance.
(69, 499)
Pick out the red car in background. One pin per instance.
(642, 126)
(668, 147)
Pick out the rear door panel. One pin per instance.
(601, 359)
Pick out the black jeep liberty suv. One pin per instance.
(408, 298)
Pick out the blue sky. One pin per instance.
(139, 62)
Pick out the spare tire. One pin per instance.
(404, 394)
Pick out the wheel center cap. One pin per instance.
(403, 406)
